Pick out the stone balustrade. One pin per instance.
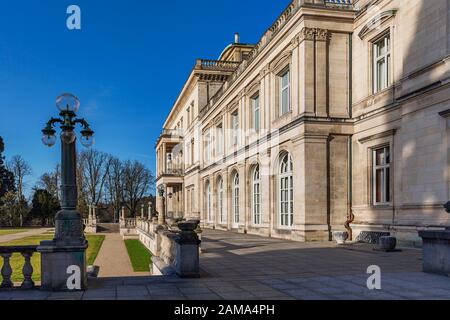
(216, 64)
(175, 249)
(128, 227)
(27, 269)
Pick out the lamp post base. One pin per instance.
(63, 260)
(63, 268)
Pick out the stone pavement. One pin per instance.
(113, 258)
(21, 235)
(244, 267)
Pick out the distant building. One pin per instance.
(340, 109)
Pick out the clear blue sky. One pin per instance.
(127, 66)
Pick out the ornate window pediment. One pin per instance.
(376, 22)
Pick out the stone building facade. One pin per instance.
(339, 117)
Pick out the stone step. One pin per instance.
(108, 228)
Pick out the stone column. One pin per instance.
(160, 205)
(306, 78)
(295, 87)
(310, 187)
(142, 211)
(89, 214)
(162, 213)
(150, 204)
(123, 213)
(321, 61)
(164, 158)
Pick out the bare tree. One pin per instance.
(93, 171)
(21, 169)
(114, 185)
(50, 181)
(137, 180)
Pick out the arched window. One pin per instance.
(256, 195)
(286, 194)
(236, 200)
(220, 200)
(208, 202)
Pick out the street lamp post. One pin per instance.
(68, 247)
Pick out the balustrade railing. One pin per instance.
(27, 269)
(217, 64)
(171, 132)
(128, 223)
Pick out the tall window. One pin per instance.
(220, 200)
(192, 200)
(188, 111)
(286, 195)
(285, 95)
(382, 63)
(192, 151)
(256, 196)
(219, 140)
(236, 199)
(207, 147)
(208, 202)
(235, 125)
(256, 113)
(381, 175)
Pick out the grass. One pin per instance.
(95, 243)
(4, 232)
(140, 257)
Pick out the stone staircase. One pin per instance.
(108, 228)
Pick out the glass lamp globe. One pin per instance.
(48, 139)
(87, 141)
(67, 102)
(68, 137)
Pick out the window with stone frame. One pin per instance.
(284, 92)
(219, 140)
(381, 63)
(208, 199)
(207, 146)
(256, 113)
(256, 195)
(381, 175)
(286, 191)
(220, 200)
(235, 127)
(236, 199)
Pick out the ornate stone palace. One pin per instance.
(338, 118)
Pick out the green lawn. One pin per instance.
(95, 243)
(11, 231)
(140, 257)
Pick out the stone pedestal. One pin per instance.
(67, 252)
(436, 251)
(57, 266)
(187, 262)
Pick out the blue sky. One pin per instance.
(126, 65)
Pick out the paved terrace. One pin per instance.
(236, 266)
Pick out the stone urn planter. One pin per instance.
(387, 244)
(340, 236)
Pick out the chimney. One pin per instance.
(236, 38)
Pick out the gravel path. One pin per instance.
(113, 258)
